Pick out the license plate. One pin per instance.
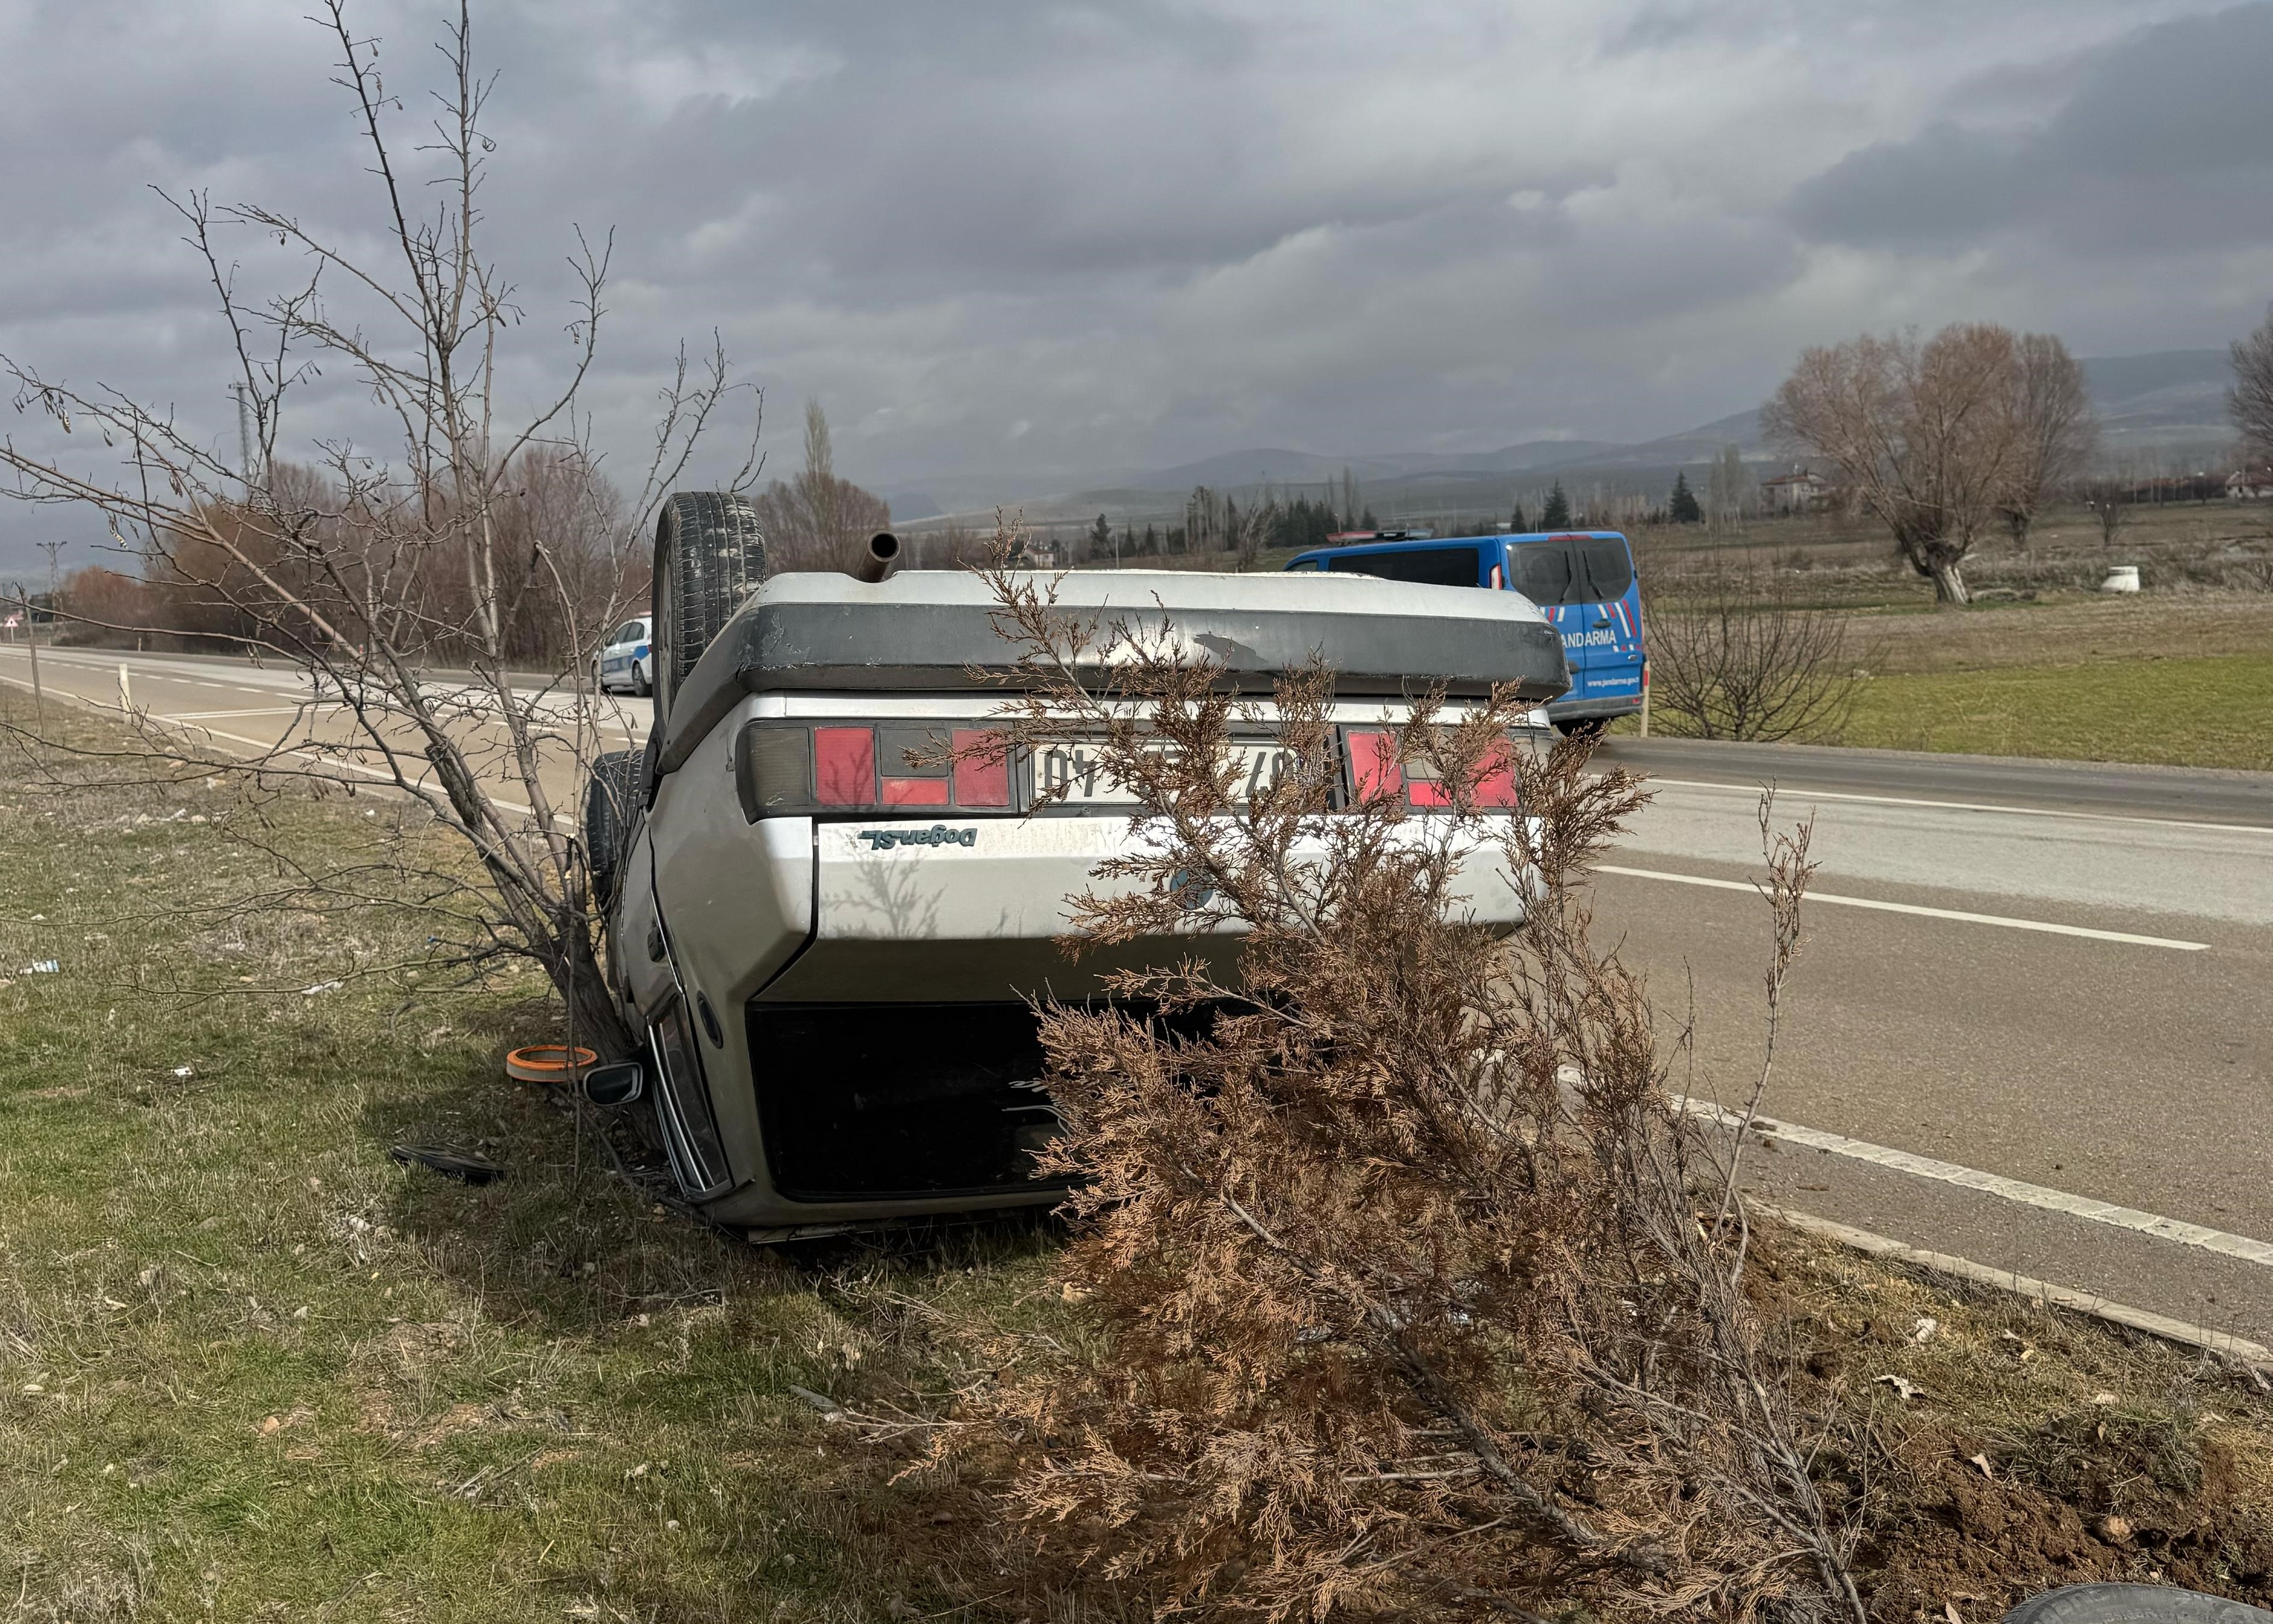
(1080, 768)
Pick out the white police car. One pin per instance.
(627, 660)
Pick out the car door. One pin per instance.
(1612, 611)
(1551, 573)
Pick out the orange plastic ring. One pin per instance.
(547, 1062)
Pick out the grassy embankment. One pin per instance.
(2173, 680)
(250, 1368)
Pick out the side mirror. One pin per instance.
(617, 1084)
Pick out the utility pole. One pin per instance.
(245, 437)
(31, 644)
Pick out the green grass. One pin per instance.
(2210, 712)
(249, 1367)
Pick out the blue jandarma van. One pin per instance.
(1583, 581)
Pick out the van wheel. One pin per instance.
(1582, 727)
(710, 556)
(641, 686)
(612, 803)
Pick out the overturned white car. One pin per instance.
(830, 924)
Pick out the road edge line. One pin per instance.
(1919, 910)
(2245, 1248)
(2254, 1356)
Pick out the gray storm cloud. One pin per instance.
(1038, 242)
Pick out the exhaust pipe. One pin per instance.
(881, 558)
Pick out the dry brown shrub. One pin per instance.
(1405, 1283)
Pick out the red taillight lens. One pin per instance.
(981, 780)
(844, 766)
(1495, 786)
(1373, 772)
(915, 792)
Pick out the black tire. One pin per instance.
(1584, 728)
(710, 556)
(641, 687)
(612, 804)
(2132, 1604)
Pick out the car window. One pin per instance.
(630, 631)
(1609, 571)
(1432, 566)
(1543, 571)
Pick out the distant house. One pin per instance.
(1801, 491)
(2251, 486)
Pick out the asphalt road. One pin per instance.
(2076, 1003)
(2032, 1023)
(246, 710)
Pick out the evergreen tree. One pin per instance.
(1683, 508)
(1151, 540)
(1556, 514)
(1369, 522)
(1520, 523)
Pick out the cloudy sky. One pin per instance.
(1037, 242)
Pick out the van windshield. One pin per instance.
(1581, 570)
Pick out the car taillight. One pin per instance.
(1376, 773)
(783, 770)
(844, 766)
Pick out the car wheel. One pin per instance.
(642, 684)
(2132, 1604)
(612, 800)
(1583, 727)
(710, 556)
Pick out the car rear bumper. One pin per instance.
(1591, 710)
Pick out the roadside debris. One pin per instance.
(466, 1166)
(827, 1406)
(1924, 1330)
(1902, 1385)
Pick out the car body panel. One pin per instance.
(626, 661)
(821, 947)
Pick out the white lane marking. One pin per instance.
(1957, 806)
(2255, 1353)
(1959, 914)
(223, 716)
(321, 759)
(2004, 1189)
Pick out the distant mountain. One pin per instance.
(1276, 466)
(908, 504)
(2171, 403)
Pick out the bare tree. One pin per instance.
(1726, 488)
(1251, 530)
(2250, 401)
(1733, 655)
(2109, 498)
(463, 539)
(815, 520)
(2057, 431)
(1924, 437)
